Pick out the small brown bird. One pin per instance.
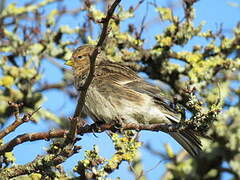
(118, 94)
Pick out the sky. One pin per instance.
(213, 12)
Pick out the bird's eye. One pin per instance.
(80, 57)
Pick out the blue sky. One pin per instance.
(213, 12)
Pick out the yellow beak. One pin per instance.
(69, 63)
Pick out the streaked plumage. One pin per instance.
(118, 94)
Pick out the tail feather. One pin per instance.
(188, 141)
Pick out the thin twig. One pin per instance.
(47, 86)
(73, 129)
(18, 121)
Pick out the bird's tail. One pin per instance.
(189, 141)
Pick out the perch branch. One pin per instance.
(83, 130)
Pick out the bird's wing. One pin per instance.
(187, 138)
(111, 77)
(121, 79)
(139, 85)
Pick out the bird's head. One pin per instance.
(81, 57)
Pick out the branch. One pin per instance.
(83, 130)
(51, 86)
(41, 164)
(230, 171)
(18, 121)
(73, 129)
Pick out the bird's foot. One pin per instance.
(97, 127)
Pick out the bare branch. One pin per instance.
(85, 129)
(73, 129)
(18, 121)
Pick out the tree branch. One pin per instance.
(83, 130)
(41, 164)
(73, 129)
(18, 121)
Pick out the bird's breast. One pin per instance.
(116, 108)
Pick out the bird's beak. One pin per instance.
(69, 62)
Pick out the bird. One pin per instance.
(118, 94)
